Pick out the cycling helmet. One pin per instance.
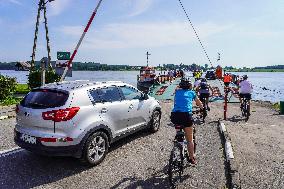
(245, 77)
(203, 80)
(185, 83)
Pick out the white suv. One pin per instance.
(82, 118)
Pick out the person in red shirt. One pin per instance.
(227, 79)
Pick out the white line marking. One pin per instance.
(10, 151)
(3, 117)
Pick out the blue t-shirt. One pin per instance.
(183, 100)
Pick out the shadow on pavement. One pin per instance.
(26, 170)
(236, 119)
(158, 180)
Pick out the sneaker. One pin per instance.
(208, 108)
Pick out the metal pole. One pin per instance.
(80, 41)
(43, 65)
(36, 32)
(47, 38)
(225, 103)
(148, 58)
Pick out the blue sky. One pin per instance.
(246, 32)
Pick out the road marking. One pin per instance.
(10, 151)
(3, 117)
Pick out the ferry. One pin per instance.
(146, 78)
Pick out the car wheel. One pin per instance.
(95, 149)
(155, 121)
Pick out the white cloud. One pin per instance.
(58, 6)
(15, 2)
(145, 35)
(137, 7)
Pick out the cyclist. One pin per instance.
(203, 90)
(227, 79)
(245, 90)
(196, 83)
(182, 113)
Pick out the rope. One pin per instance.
(202, 46)
(199, 40)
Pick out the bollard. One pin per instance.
(282, 107)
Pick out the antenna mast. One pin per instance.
(148, 54)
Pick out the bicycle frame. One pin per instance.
(204, 111)
(178, 154)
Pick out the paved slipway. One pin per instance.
(258, 146)
(141, 160)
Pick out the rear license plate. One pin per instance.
(28, 139)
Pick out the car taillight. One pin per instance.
(60, 115)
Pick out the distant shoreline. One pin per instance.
(262, 70)
(258, 70)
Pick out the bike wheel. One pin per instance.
(204, 111)
(243, 109)
(247, 114)
(175, 165)
(204, 114)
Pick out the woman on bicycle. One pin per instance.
(182, 113)
(204, 92)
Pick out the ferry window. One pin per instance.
(108, 94)
(130, 93)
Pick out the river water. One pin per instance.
(267, 86)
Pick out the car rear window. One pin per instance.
(45, 98)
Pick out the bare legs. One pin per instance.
(189, 138)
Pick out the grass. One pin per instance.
(11, 101)
(276, 106)
(22, 89)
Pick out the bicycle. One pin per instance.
(178, 155)
(245, 108)
(204, 110)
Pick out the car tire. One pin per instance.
(95, 149)
(155, 121)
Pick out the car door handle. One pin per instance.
(131, 106)
(104, 110)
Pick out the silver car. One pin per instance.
(82, 118)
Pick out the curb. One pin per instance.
(233, 173)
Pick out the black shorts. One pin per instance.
(182, 118)
(245, 95)
(203, 95)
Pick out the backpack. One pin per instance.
(203, 85)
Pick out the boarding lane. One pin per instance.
(139, 161)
